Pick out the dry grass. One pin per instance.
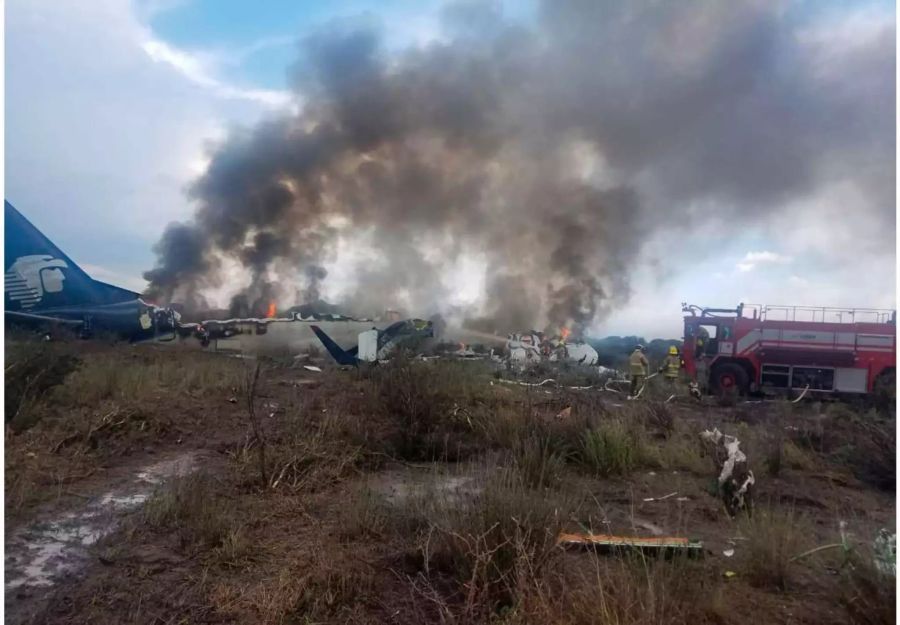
(868, 596)
(588, 589)
(368, 514)
(189, 506)
(427, 409)
(32, 369)
(310, 547)
(130, 375)
(487, 544)
(118, 400)
(539, 459)
(796, 458)
(681, 452)
(773, 538)
(321, 591)
(873, 454)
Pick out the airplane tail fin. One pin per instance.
(40, 276)
(342, 356)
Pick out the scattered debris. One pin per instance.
(801, 395)
(885, 548)
(312, 368)
(607, 542)
(612, 390)
(661, 498)
(729, 574)
(728, 552)
(735, 479)
(565, 413)
(544, 382)
(694, 390)
(650, 527)
(541, 383)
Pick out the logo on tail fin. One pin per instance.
(30, 277)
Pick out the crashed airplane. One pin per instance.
(44, 288)
(529, 349)
(375, 344)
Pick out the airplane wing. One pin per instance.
(20, 316)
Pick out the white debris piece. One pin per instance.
(368, 346)
(885, 548)
(312, 368)
(734, 488)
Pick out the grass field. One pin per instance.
(430, 492)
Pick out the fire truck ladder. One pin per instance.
(821, 314)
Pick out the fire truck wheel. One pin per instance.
(729, 378)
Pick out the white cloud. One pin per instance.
(102, 140)
(199, 69)
(752, 259)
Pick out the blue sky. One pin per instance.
(111, 106)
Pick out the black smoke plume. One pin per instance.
(553, 150)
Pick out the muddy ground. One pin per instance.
(423, 492)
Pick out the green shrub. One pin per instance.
(611, 449)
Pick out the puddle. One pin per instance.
(46, 551)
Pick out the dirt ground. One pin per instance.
(425, 492)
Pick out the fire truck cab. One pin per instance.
(777, 349)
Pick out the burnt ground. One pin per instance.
(424, 492)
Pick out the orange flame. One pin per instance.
(565, 332)
(270, 313)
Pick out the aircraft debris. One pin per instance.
(312, 368)
(44, 287)
(735, 479)
(530, 348)
(565, 413)
(694, 391)
(376, 345)
(844, 545)
(801, 395)
(610, 543)
(885, 548)
(648, 499)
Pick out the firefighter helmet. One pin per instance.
(673, 351)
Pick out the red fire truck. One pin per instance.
(777, 349)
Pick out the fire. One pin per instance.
(565, 332)
(270, 313)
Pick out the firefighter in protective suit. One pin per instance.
(671, 367)
(638, 365)
(700, 361)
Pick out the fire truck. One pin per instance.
(785, 349)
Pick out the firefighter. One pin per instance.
(700, 362)
(638, 364)
(671, 367)
(701, 341)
